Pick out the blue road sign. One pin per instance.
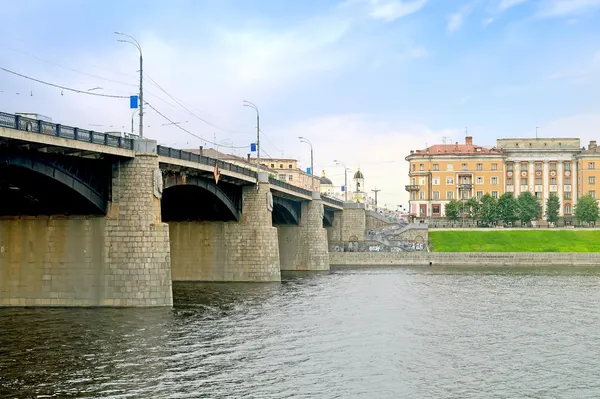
(343, 188)
(252, 147)
(133, 102)
(308, 171)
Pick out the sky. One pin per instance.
(366, 81)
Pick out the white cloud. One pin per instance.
(455, 21)
(506, 4)
(390, 10)
(596, 60)
(584, 127)
(378, 148)
(561, 8)
(417, 52)
(487, 21)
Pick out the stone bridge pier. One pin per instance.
(117, 254)
(304, 247)
(243, 250)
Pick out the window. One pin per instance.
(538, 167)
(450, 166)
(465, 180)
(479, 166)
(282, 177)
(435, 209)
(436, 166)
(494, 181)
(479, 180)
(524, 181)
(567, 209)
(567, 181)
(553, 166)
(567, 195)
(509, 181)
(421, 181)
(592, 180)
(435, 181)
(449, 195)
(421, 167)
(494, 166)
(591, 165)
(465, 194)
(538, 181)
(413, 181)
(290, 177)
(435, 195)
(280, 166)
(290, 166)
(509, 167)
(421, 195)
(495, 194)
(414, 167)
(479, 195)
(567, 165)
(592, 193)
(524, 166)
(538, 195)
(464, 166)
(272, 166)
(414, 196)
(449, 181)
(553, 181)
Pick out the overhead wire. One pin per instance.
(62, 87)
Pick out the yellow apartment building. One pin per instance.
(543, 166)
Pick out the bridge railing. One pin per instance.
(277, 182)
(193, 157)
(67, 132)
(332, 201)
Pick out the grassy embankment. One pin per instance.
(515, 241)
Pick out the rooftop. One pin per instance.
(456, 149)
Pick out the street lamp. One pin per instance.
(251, 105)
(307, 141)
(132, 115)
(223, 142)
(345, 179)
(136, 44)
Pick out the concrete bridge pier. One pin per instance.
(246, 250)
(304, 247)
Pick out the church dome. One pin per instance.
(325, 180)
(358, 174)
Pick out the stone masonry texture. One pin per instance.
(118, 260)
(247, 250)
(304, 247)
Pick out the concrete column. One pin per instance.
(531, 177)
(304, 247)
(574, 184)
(546, 188)
(560, 187)
(334, 233)
(137, 267)
(247, 250)
(517, 178)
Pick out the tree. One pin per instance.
(452, 210)
(508, 208)
(586, 209)
(489, 209)
(473, 207)
(552, 208)
(529, 207)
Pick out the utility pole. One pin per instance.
(249, 104)
(345, 179)
(141, 95)
(376, 191)
(312, 180)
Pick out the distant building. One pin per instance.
(541, 166)
(286, 170)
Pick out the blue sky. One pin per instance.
(365, 80)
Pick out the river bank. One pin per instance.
(353, 259)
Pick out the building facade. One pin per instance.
(286, 170)
(542, 166)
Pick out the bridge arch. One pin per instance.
(285, 212)
(188, 185)
(71, 173)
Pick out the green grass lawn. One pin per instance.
(515, 241)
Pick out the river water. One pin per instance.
(357, 333)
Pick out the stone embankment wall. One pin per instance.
(463, 259)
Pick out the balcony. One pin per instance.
(412, 187)
(465, 186)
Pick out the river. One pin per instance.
(353, 333)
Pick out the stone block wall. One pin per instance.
(118, 260)
(305, 247)
(247, 250)
(353, 223)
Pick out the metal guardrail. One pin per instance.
(290, 187)
(332, 201)
(66, 132)
(193, 157)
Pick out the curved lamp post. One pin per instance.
(136, 44)
(345, 179)
(312, 180)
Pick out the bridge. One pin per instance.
(94, 219)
